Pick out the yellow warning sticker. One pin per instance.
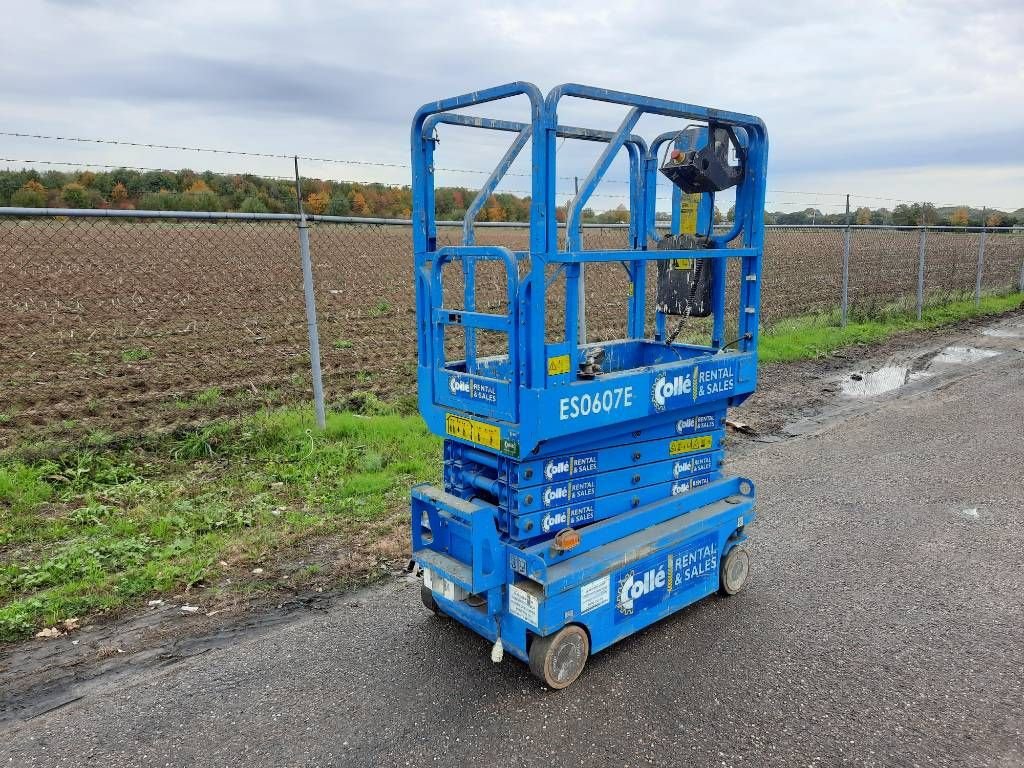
(689, 444)
(557, 365)
(688, 214)
(681, 263)
(473, 431)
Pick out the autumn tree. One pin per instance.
(493, 211)
(31, 195)
(316, 202)
(995, 219)
(959, 218)
(863, 216)
(359, 206)
(118, 194)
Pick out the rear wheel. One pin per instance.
(427, 596)
(558, 659)
(735, 569)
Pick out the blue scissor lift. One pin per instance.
(584, 496)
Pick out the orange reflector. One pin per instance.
(566, 539)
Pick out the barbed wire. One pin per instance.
(271, 155)
(407, 166)
(385, 164)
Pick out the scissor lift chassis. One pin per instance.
(675, 563)
(584, 495)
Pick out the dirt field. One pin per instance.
(125, 325)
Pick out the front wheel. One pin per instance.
(735, 569)
(558, 659)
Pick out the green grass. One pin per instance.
(135, 355)
(101, 524)
(380, 309)
(813, 336)
(208, 397)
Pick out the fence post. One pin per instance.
(1020, 280)
(307, 290)
(845, 306)
(920, 271)
(981, 260)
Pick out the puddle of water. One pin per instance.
(963, 355)
(1002, 333)
(877, 382)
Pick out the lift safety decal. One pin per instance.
(558, 364)
(654, 579)
(689, 444)
(472, 431)
(523, 605)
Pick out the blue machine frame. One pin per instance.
(593, 501)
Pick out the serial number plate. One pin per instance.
(473, 431)
(688, 444)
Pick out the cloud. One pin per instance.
(857, 89)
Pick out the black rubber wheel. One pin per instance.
(427, 596)
(734, 571)
(558, 659)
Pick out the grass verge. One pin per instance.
(813, 336)
(93, 527)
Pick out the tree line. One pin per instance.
(903, 215)
(187, 190)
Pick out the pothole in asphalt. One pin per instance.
(885, 379)
(964, 355)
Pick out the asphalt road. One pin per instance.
(883, 625)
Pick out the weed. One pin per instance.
(135, 355)
(201, 443)
(380, 309)
(342, 344)
(368, 404)
(208, 396)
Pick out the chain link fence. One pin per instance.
(126, 323)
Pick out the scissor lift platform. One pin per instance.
(584, 494)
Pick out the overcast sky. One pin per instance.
(916, 100)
